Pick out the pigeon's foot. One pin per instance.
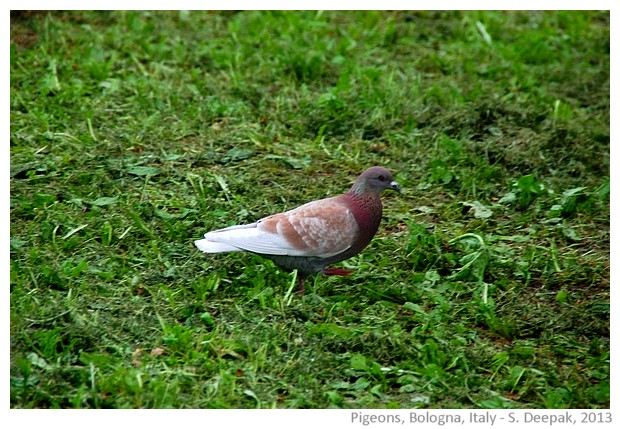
(336, 272)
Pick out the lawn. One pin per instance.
(134, 133)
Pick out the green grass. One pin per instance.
(133, 133)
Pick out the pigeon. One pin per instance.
(315, 235)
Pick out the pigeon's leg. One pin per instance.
(329, 271)
(301, 281)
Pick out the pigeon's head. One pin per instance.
(376, 180)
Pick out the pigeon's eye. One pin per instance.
(381, 177)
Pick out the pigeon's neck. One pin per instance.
(359, 189)
(362, 193)
(367, 209)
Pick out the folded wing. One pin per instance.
(322, 228)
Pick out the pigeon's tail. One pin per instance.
(207, 246)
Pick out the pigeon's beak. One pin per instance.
(394, 186)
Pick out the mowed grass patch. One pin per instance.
(133, 133)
